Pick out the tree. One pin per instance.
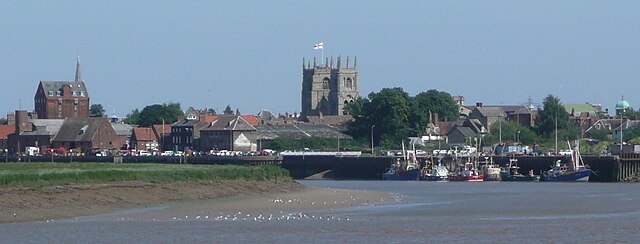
(155, 114)
(133, 118)
(211, 111)
(436, 102)
(552, 112)
(96, 110)
(388, 110)
(511, 131)
(228, 110)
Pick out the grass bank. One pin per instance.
(38, 175)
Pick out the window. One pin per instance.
(58, 93)
(349, 83)
(81, 93)
(50, 93)
(325, 83)
(73, 93)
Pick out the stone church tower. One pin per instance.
(326, 88)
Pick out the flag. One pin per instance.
(318, 45)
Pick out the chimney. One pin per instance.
(478, 104)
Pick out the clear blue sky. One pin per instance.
(248, 53)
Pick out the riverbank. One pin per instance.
(174, 199)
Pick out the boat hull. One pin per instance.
(508, 177)
(413, 174)
(470, 178)
(575, 176)
(434, 178)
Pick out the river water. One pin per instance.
(422, 212)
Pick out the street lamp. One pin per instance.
(372, 139)
(518, 137)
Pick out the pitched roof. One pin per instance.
(229, 122)
(251, 119)
(298, 131)
(491, 111)
(465, 131)
(5, 130)
(122, 129)
(159, 131)
(144, 134)
(77, 87)
(44, 127)
(580, 108)
(79, 129)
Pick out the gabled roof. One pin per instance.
(605, 124)
(229, 122)
(144, 134)
(159, 131)
(298, 131)
(80, 129)
(5, 130)
(122, 129)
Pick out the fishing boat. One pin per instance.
(435, 172)
(512, 173)
(573, 172)
(491, 171)
(405, 168)
(468, 172)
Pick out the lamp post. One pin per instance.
(518, 137)
(372, 139)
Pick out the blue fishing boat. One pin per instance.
(573, 172)
(405, 168)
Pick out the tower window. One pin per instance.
(349, 83)
(325, 83)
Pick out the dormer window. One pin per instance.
(81, 93)
(50, 93)
(191, 117)
(73, 93)
(58, 93)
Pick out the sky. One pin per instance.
(248, 54)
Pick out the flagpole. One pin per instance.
(322, 54)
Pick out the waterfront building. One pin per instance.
(62, 99)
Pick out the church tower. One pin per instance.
(326, 89)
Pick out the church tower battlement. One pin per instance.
(326, 88)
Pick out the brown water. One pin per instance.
(422, 212)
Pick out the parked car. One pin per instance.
(144, 153)
(167, 153)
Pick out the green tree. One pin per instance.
(436, 102)
(388, 110)
(511, 131)
(228, 110)
(552, 112)
(133, 118)
(155, 114)
(96, 110)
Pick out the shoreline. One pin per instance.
(173, 201)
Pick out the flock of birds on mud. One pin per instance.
(281, 216)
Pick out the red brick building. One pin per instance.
(143, 138)
(62, 99)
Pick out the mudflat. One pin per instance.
(69, 201)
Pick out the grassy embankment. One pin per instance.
(37, 175)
